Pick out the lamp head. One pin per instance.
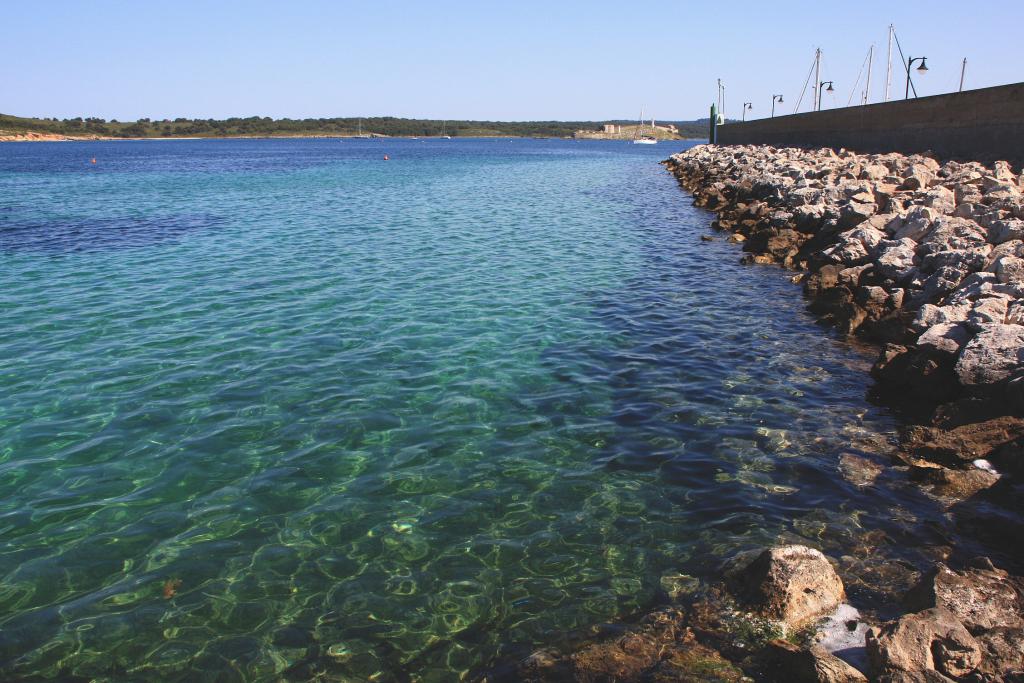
(924, 67)
(780, 99)
(830, 88)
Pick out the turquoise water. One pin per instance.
(277, 409)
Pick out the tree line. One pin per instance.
(265, 126)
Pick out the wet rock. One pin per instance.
(964, 444)
(791, 584)
(952, 483)
(809, 665)
(911, 647)
(659, 649)
(858, 470)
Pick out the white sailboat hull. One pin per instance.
(642, 141)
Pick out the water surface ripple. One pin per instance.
(274, 409)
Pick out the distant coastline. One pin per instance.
(51, 137)
(15, 128)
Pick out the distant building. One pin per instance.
(612, 129)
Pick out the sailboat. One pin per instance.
(639, 137)
(443, 127)
(361, 134)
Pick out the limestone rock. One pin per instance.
(986, 312)
(995, 353)
(895, 258)
(932, 640)
(792, 584)
(945, 338)
(1009, 269)
(981, 597)
(1003, 652)
(1006, 230)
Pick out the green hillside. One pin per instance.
(265, 126)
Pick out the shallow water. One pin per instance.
(392, 418)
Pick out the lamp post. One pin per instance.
(921, 70)
(775, 98)
(746, 106)
(829, 89)
(721, 99)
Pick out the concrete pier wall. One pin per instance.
(983, 125)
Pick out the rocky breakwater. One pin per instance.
(924, 259)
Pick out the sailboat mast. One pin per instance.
(867, 85)
(888, 68)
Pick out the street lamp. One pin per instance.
(775, 98)
(829, 89)
(746, 106)
(921, 70)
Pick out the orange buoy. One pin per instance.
(93, 160)
(386, 158)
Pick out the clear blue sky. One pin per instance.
(454, 59)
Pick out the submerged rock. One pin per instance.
(660, 648)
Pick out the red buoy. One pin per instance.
(386, 158)
(93, 160)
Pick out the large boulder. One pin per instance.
(981, 597)
(995, 353)
(792, 584)
(945, 338)
(917, 645)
